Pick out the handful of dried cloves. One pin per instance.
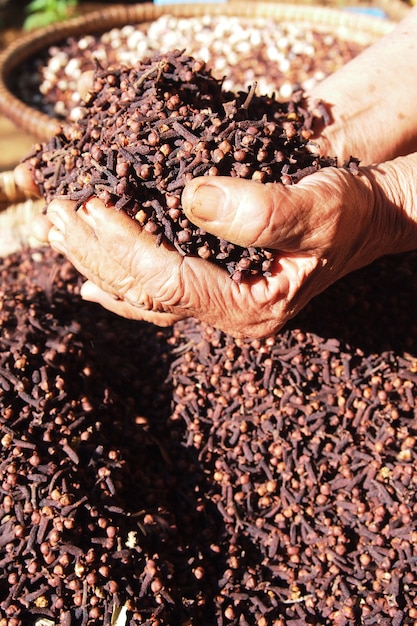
(144, 132)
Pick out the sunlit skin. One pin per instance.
(327, 225)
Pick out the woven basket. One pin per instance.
(16, 222)
(17, 211)
(10, 193)
(42, 126)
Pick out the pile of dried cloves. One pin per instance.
(144, 132)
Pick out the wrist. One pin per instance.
(394, 188)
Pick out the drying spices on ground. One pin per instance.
(192, 477)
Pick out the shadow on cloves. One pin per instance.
(173, 545)
(119, 502)
(372, 308)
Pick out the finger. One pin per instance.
(66, 223)
(92, 293)
(248, 213)
(111, 250)
(155, 268)
(40, 228)
(23, 177)
(75, 238)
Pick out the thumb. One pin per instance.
(243, 212)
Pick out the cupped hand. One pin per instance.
(327, 225)
(131, 276)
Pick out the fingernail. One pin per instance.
(56, 239)
(205, 202)
(93, 211)
(86, 211)
(89, 291)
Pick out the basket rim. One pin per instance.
(42, 126)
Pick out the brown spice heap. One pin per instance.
(195, 478)
(146, 131)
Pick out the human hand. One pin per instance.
(368, 100)
(132, 277)
(327, 225)
(24, 179)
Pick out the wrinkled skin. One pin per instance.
(327, 225)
